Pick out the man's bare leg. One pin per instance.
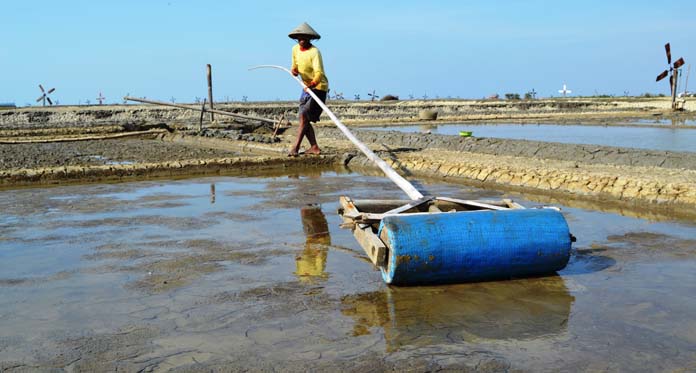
(301, 132)
(314, 149)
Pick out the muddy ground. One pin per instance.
(604, 110)
(168, 142)
(221, 274)
(230, 274)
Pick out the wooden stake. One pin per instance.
(210, 90)
(200, 124)
(673, 85)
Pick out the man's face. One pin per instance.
(304, 43)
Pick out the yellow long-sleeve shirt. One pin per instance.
(310, 66)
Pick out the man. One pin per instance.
(307, 63)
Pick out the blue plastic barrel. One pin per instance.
(432, 248)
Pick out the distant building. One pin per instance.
(6, 105)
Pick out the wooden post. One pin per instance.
(675, 79)
(672, 85)
(210, 91)
(200, 124)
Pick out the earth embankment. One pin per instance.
(76, 144)
(353, 112)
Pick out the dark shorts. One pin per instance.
(309, 107)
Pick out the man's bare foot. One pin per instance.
(292, 154)
(313, 150)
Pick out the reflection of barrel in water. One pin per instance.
(420, 316)
(311, 262)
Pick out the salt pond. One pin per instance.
(219, 272)
(671, 139)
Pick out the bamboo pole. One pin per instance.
(399, 180)
(87, 138)
(221, 112)
(210, 91)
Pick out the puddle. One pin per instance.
(670, 139)
(216, 272)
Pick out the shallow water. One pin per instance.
(664, 122)
(671, 139)
(231, 271)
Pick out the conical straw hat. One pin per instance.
(304, 30)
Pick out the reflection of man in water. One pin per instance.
(311, 262)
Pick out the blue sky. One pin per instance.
(467, 49)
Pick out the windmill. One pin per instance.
(44, 95)
(565, 90)
(673, 73)
(100, 98)
(531, 95)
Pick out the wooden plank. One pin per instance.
(496, 202)
(433, 208)
(366, 217)
(449, 206)
(375, 249)
(512, 204)
(379, 205)
(348, 210)
(472, 203)
(408, 206)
